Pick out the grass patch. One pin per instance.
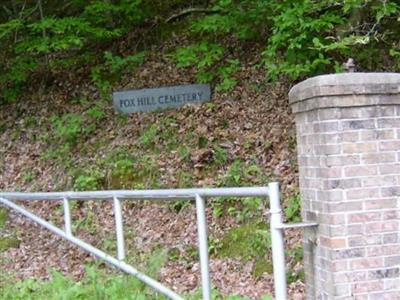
(3, 218)
(96, 284)
(246, 242)
(249, 242)
(8, 242)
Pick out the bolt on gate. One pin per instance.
(199, 195)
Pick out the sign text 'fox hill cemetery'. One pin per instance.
(146, 100)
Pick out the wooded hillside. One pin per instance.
(60, 63)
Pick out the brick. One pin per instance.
(375, 204)
(369, 286)
(346, 206)
(384, 273)
(364, 240)
(357, 124)
(349, 147)
(328, 114)
(386, 180)
(385, 296)
(375, 251)
(335, 219)
(343, 160)
(390, 191)
(327, 149)
(341, 265)
(377, 134)
(337, 231)
(392, 261)
(362, 217)
(342, 290)
(356, 241)
(355, 276)
(359, 171)
(350, 113)
(334, 243)
(377, 158)
(332, 195)
(326, 127)
(391, 249)
(329, 138)
(355, 148)
(389, 123)
(355, 229)
(366, 263)
(333, 184)
(363, 193)
(392, 284)
(348, 253)
(386, 111)
(310, 117)
(391, 215)
(391, 238)
(349, 136)
(388, 169)
(389, 145)
(388, 226)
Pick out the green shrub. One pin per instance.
(89, 181)
(68, 128)
(209, 60)
(64, 36)
(293, 209)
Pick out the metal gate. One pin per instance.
(199, 195)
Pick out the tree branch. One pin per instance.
(191, 10)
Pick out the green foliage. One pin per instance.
(129, 171)
(148, 137)
(293, 209)
(122, 173)
(89, 181)
(160, 136)
(295, 270)
(241, 174)
(3, 218)
(61, 37)
(292, 38)
(117, 63)
(96, 284)
(247, 242)
(311, 37)
(238, 174)
(209, 60)
(68, 128)
(112, 69)
(220, 156)
(303, 37)
(7, 242)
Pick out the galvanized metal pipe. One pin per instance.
(203, 247)
(67, 217)
(164, 194)
(278, 251)
(187, 194)
(100, 254)
(119, 229)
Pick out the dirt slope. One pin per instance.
(252, 124)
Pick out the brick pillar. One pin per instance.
(348, 137)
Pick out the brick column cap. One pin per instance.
(320, 91)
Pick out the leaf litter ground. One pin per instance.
(252, 124)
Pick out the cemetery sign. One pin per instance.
(146, 100)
